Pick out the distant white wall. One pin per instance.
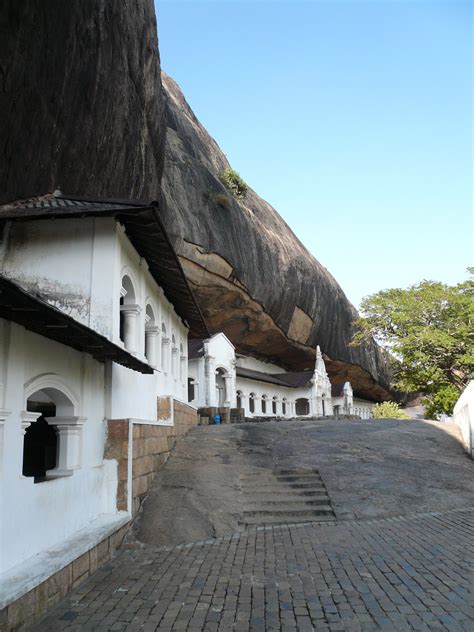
(247, 362)
(463, 416)
(37, 516)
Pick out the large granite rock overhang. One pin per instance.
(83, 110)
(253, 278)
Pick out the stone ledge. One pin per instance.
(19, 580)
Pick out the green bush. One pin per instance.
(389, 410)
(233, 182)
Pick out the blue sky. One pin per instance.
(353, 119)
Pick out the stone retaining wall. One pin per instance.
(150, 448)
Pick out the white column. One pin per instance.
(227, 390)
(69, 445)
(165, 353)
(245, 403)
(182, 368)
(3, 417)
(151, 338)
(174, 363)
(27, 418)
(130, 313)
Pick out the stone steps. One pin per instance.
(285, 496)
(289, 503)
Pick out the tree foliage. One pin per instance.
(428, 329)
(389, 410)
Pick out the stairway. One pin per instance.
(284, 496)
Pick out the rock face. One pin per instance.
(80, 99)
(253, 278)
(83, 110)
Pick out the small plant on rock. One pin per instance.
(389, 410)
(221, 200)
(233, 182)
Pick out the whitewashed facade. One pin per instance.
(87, 270)
(220, 378)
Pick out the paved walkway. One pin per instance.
(406, 573)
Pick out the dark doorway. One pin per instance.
(190, 389)
(40, 449)
(302, 406)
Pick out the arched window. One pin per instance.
(239, 399)
(283, 406)
(151, 333)
(51, 446)
(274, 405)
(302, 406)
(191, 389)
(252, 402)
(128, 314)
(264, 404)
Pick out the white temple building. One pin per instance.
(221, 378)
(95, 312)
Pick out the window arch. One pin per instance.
(151, 333)
(283, 406)
(239, 399)
(51, 445)
(264, 404)
(128, 313)
(252, 402)
(302, 406)
(274, 405)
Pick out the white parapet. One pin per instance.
(463, 416)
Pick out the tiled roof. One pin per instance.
(291, 380)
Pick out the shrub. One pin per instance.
(389, 410)
(233, 182)
(221, 200)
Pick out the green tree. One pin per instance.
(428, 330)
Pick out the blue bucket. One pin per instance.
(216, 420)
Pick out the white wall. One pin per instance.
(363, 408)
(78, 265)
(247, 362)
(36, 516)
(463, 416)
(68, 261)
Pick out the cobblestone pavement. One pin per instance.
(408, 573)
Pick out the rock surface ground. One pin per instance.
(398, 555)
